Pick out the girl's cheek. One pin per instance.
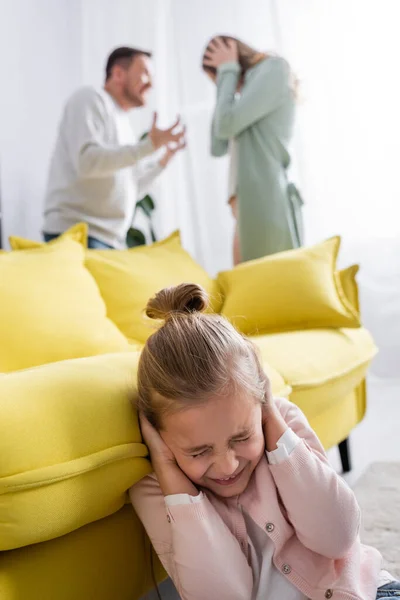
(254, 450)
(195, 468)
(200, 469)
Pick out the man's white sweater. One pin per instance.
(95, 173)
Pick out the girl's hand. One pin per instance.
(171, 478)
(220, 52)
(159, 452)
(269, 406)
(274, 425)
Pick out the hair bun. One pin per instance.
(184, 298)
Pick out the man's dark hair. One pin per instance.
(123, 56)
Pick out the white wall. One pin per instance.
(40, 65)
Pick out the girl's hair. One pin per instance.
(249, 57)
(193, 356)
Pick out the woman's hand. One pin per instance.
(220, 52)
(171, 478)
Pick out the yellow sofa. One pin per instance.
(70, 445)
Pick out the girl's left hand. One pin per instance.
(269, 406)
(273, 424)
(220, 52)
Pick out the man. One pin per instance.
(95, 172)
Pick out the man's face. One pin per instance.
(137, 80)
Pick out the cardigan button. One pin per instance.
(287, 569)
(329, 594)
(270, 527)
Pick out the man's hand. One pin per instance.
(163, 137)
(220, 52)
(170, 151)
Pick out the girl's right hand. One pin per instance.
(171, 478)
(159, 452)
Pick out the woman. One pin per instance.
(254, 117)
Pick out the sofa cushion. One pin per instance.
(51, 308)
(349, 285)
(129, 278)
(320, 365)
(110, 558)
(78, 232)
(70, 446)
(292, 290)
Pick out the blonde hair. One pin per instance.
(193, 356)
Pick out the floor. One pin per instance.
(375, 439)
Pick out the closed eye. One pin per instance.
(202, 453)
(242, 439)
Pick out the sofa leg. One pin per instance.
(344, 450)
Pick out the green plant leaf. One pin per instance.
(147, 205)
(135, 237)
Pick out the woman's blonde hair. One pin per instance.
(193, 356)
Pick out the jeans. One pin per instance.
(93, 243)
(390, 590)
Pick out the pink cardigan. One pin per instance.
(306, 509)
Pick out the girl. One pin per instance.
(243, 503)
(257, 127)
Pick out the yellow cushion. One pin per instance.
(51, 308)
(292, 290)
(78, 232)
(127, 279)
(348, 282)
(321, 365)
(71, 446)
(109, 559)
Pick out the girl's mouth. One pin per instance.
(229, 480)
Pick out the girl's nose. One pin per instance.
(226, 465)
